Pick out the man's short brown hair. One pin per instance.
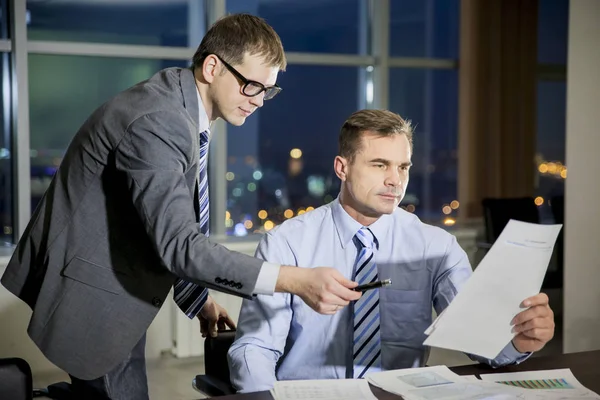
(381, 122)
(234, 35)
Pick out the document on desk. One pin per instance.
(478, 320)
(439, 383)
(548, 384)
(323, 389)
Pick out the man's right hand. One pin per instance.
(323, 289)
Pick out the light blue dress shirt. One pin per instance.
(280, 337)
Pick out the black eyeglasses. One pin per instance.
(252, 88)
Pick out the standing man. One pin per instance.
(126, 218)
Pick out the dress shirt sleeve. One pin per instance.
(267, 278)
(453, 272)
(262, 330)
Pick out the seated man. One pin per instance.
(367, 237)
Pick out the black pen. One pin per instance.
(372, 285)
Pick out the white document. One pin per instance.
(323, 389)
(548, 384)
(433, 383)
(478, 320)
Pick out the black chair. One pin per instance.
(16, 382)
(215, 382)
(497, 212)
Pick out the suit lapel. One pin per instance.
(190, 102)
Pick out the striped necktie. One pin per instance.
(190, 297)
(367, 342)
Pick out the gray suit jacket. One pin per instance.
(117, 226)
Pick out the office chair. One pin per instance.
(497, 212)
(16, 382)
(215, 382)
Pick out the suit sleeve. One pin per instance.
(154, 155)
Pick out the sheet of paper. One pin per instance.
(433, 383)
(559, 383)
(478, 319)
(470, 378)
(323, 389)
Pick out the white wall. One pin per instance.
(582, 192)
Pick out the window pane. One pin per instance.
(306, 116)
(553, 28)
(63, 92)
(6, 159)
(4, 28)
(429, 99)
(168, 23)
(315, 26)
(550, 154)
(424, 28)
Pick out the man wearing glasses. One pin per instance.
(125, 219)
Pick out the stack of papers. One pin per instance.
(478, 320)
(325, 389)
(432, 383)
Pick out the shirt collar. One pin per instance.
(346, 226)
(203, 122)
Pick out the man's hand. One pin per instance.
(534, 326)
(213, 317)
(323, 289)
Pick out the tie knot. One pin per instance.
(366, 238)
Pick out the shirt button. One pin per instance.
(156, 302)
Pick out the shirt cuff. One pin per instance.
(267, 278)
(511, 354)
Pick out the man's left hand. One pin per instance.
(213, 317)
(534, 326)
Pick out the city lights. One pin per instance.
(296, 153)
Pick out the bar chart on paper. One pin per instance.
(539, 384)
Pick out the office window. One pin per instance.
(280, 162)
(429, 99)
(4, 25)
(550, 153)
(314, 26)
(6, 153)
(424, 28)
(63, 92)
(553, 28)
(165, 23)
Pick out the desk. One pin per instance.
(585, 366)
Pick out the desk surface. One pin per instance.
(585, 366)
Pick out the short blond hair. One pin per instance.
(381, 122)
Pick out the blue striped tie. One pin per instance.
(190, 297)
(367, 341)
